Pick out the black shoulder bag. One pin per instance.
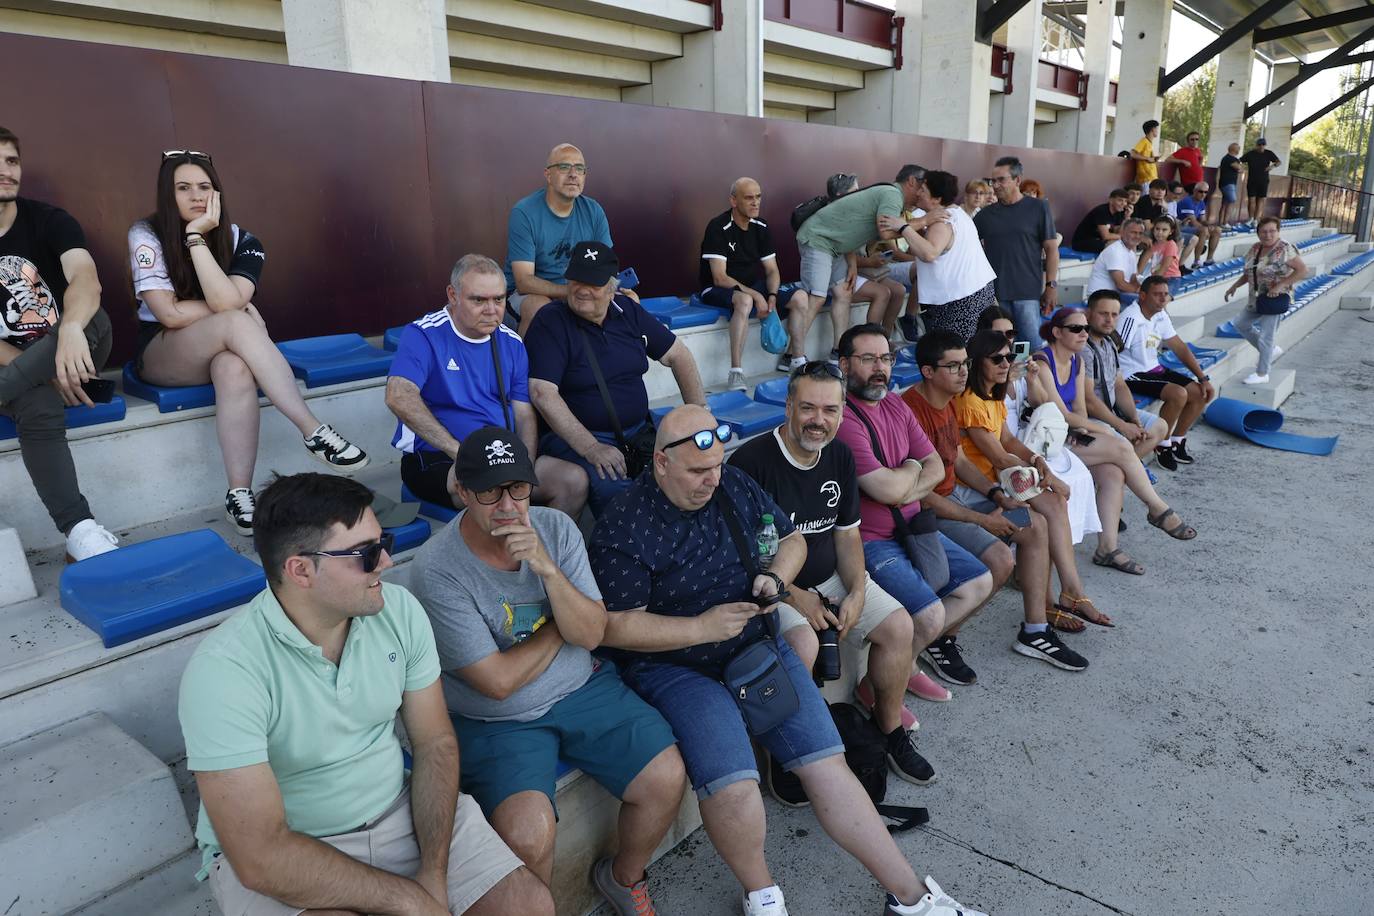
(754, 675)
(639, 448)
(500, 382)
(1266, 304)
(918, 537)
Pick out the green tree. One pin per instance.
(1188, 106)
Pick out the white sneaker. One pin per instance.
(935, 903)
(735, 381)
(1276, 352)
(238, 507)
(797, 363)
(766, 902)
(89, 539)
(333, 449)
(1254, 378)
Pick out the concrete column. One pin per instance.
(1097, 62)
(1144, 46)
(1024, 35)
(956, 69)
(1278, 127)
(718, 71)
(400, 38)
(890, 99)
(1233, 90)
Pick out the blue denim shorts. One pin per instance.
(1228, 193)
(710, 731)
(889, 566)
(600, 491)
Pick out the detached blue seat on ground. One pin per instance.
(145, 588)
(334, 358)
(77, 416)
(392, 338)
(410, 535)
(677, 314)
(1206, 357)
(745, 416)
(168, 400)
(428, 509)
(773, 391)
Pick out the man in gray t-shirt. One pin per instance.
(1019, 239)
(515, 612)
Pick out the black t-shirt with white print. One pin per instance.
(743, 250)
(818, 499)
(31, 278)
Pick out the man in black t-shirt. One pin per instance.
(1102, 225)
(739, 269)
(1258, 162)
(1228, 176)
(812, 478)
(1156, 205)
(53, 337)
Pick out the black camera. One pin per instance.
(827, 667)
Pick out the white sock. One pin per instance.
(1035, 627)
(736, 369)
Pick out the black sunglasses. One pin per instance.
(193, 153)
(1073, 328)
(817, 368)
(705, 438)
(371, 554)
(998, 359)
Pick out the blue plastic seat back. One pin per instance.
(677, 314)
(1227, 329)
(155, 585)
(904, 375)
(334, 358)
(1142, 401)
(391, 340)
(168, 400)
(429, 509)
(80, 415)
(773, 391)
(745, 416)
(409, 535)
(1206, 357)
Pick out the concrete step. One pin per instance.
(1268, 394)
(86, 809)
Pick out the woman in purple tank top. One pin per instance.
(1107, 454)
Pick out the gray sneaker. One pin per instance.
(735, 381)
(626, 901)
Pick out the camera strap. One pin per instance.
(500, 382)
(601, 387)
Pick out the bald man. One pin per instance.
(543, 229)
(739, 270)
(681, 602)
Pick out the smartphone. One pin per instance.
(99, 390)
(1021, 350)
(772, 599)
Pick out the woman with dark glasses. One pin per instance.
(1109, 456)
(195, 273)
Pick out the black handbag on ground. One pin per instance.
(919, 536)
(639, 448)
(754, 675)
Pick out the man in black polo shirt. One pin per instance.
(597, 329)
(1102, 225)
(1156, 205)
(739, 269)
(53, 338)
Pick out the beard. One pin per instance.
(871, 390)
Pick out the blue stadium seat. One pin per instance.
(334, 358)
(1206, 357)
(1227, 329)
(77, 416)
(747, 417)
(392, 338)
(429, 509)
(904, 375)
(1142, 401)
(773, 391)
(677, 314)
(155, 585)
(168, 400)
(409, 535)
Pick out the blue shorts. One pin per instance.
(601, 728)
(970, 498)
(890, 567)
(600, 491)
(711, 735)
(1228, 193)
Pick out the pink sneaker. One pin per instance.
(863, 692)
(925, 687)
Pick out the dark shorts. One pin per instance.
(425, 474)
(602, 729)
(1152, 384)
(147, 330)
(722, 297)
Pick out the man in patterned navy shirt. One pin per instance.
(681, 603)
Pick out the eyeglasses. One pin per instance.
(193, 153)
(956, 368)
(564, 168)
(705, 438)
(868, 359)
(519, 491)
(371, 554)
(998, 359)
(1073, 328)
(818, 367)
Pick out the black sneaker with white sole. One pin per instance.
(944, 657)
(1181, 452)
(238, 506)
(904, 761)
(1164, 455)
(1047, 647)
(785, 787)
(334, 450)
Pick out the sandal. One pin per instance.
(1064, 623)
(1077, 606)
(1179, 532)
(1119, 560)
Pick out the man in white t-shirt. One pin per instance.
(1145, 327)
(1116, 267)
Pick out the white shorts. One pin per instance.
(877, 605)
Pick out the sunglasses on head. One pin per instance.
(817, 368)
(193, 153)
(705, 438)
(370, 554)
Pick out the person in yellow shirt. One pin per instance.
(1146, 168)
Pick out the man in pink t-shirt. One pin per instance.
(942, 585)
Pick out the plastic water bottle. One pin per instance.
(767, 542)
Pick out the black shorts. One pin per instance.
(722, 297)
(425, 474)
(1151, 384)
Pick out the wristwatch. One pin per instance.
(996, 488)
(1051, 284)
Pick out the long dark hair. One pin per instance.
(981, 345)
(170, 228)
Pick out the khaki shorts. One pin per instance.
(877, 605)
(477, 859)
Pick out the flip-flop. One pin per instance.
(1064, 623)
(1119, 560)
(1075, 608)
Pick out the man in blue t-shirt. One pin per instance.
(457, 370)
(1201, 233)
(543, 229)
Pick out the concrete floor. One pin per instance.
(1215, 757)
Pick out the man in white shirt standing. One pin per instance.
(1117, 265)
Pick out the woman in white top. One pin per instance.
(195, 274)
(954, 280)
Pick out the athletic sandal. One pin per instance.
(1082, 606)
(1118, 559)
(1064, 623)
(1179, 532)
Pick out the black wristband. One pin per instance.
(777, 580)
(995, 488)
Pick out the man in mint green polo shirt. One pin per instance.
(289, 708)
